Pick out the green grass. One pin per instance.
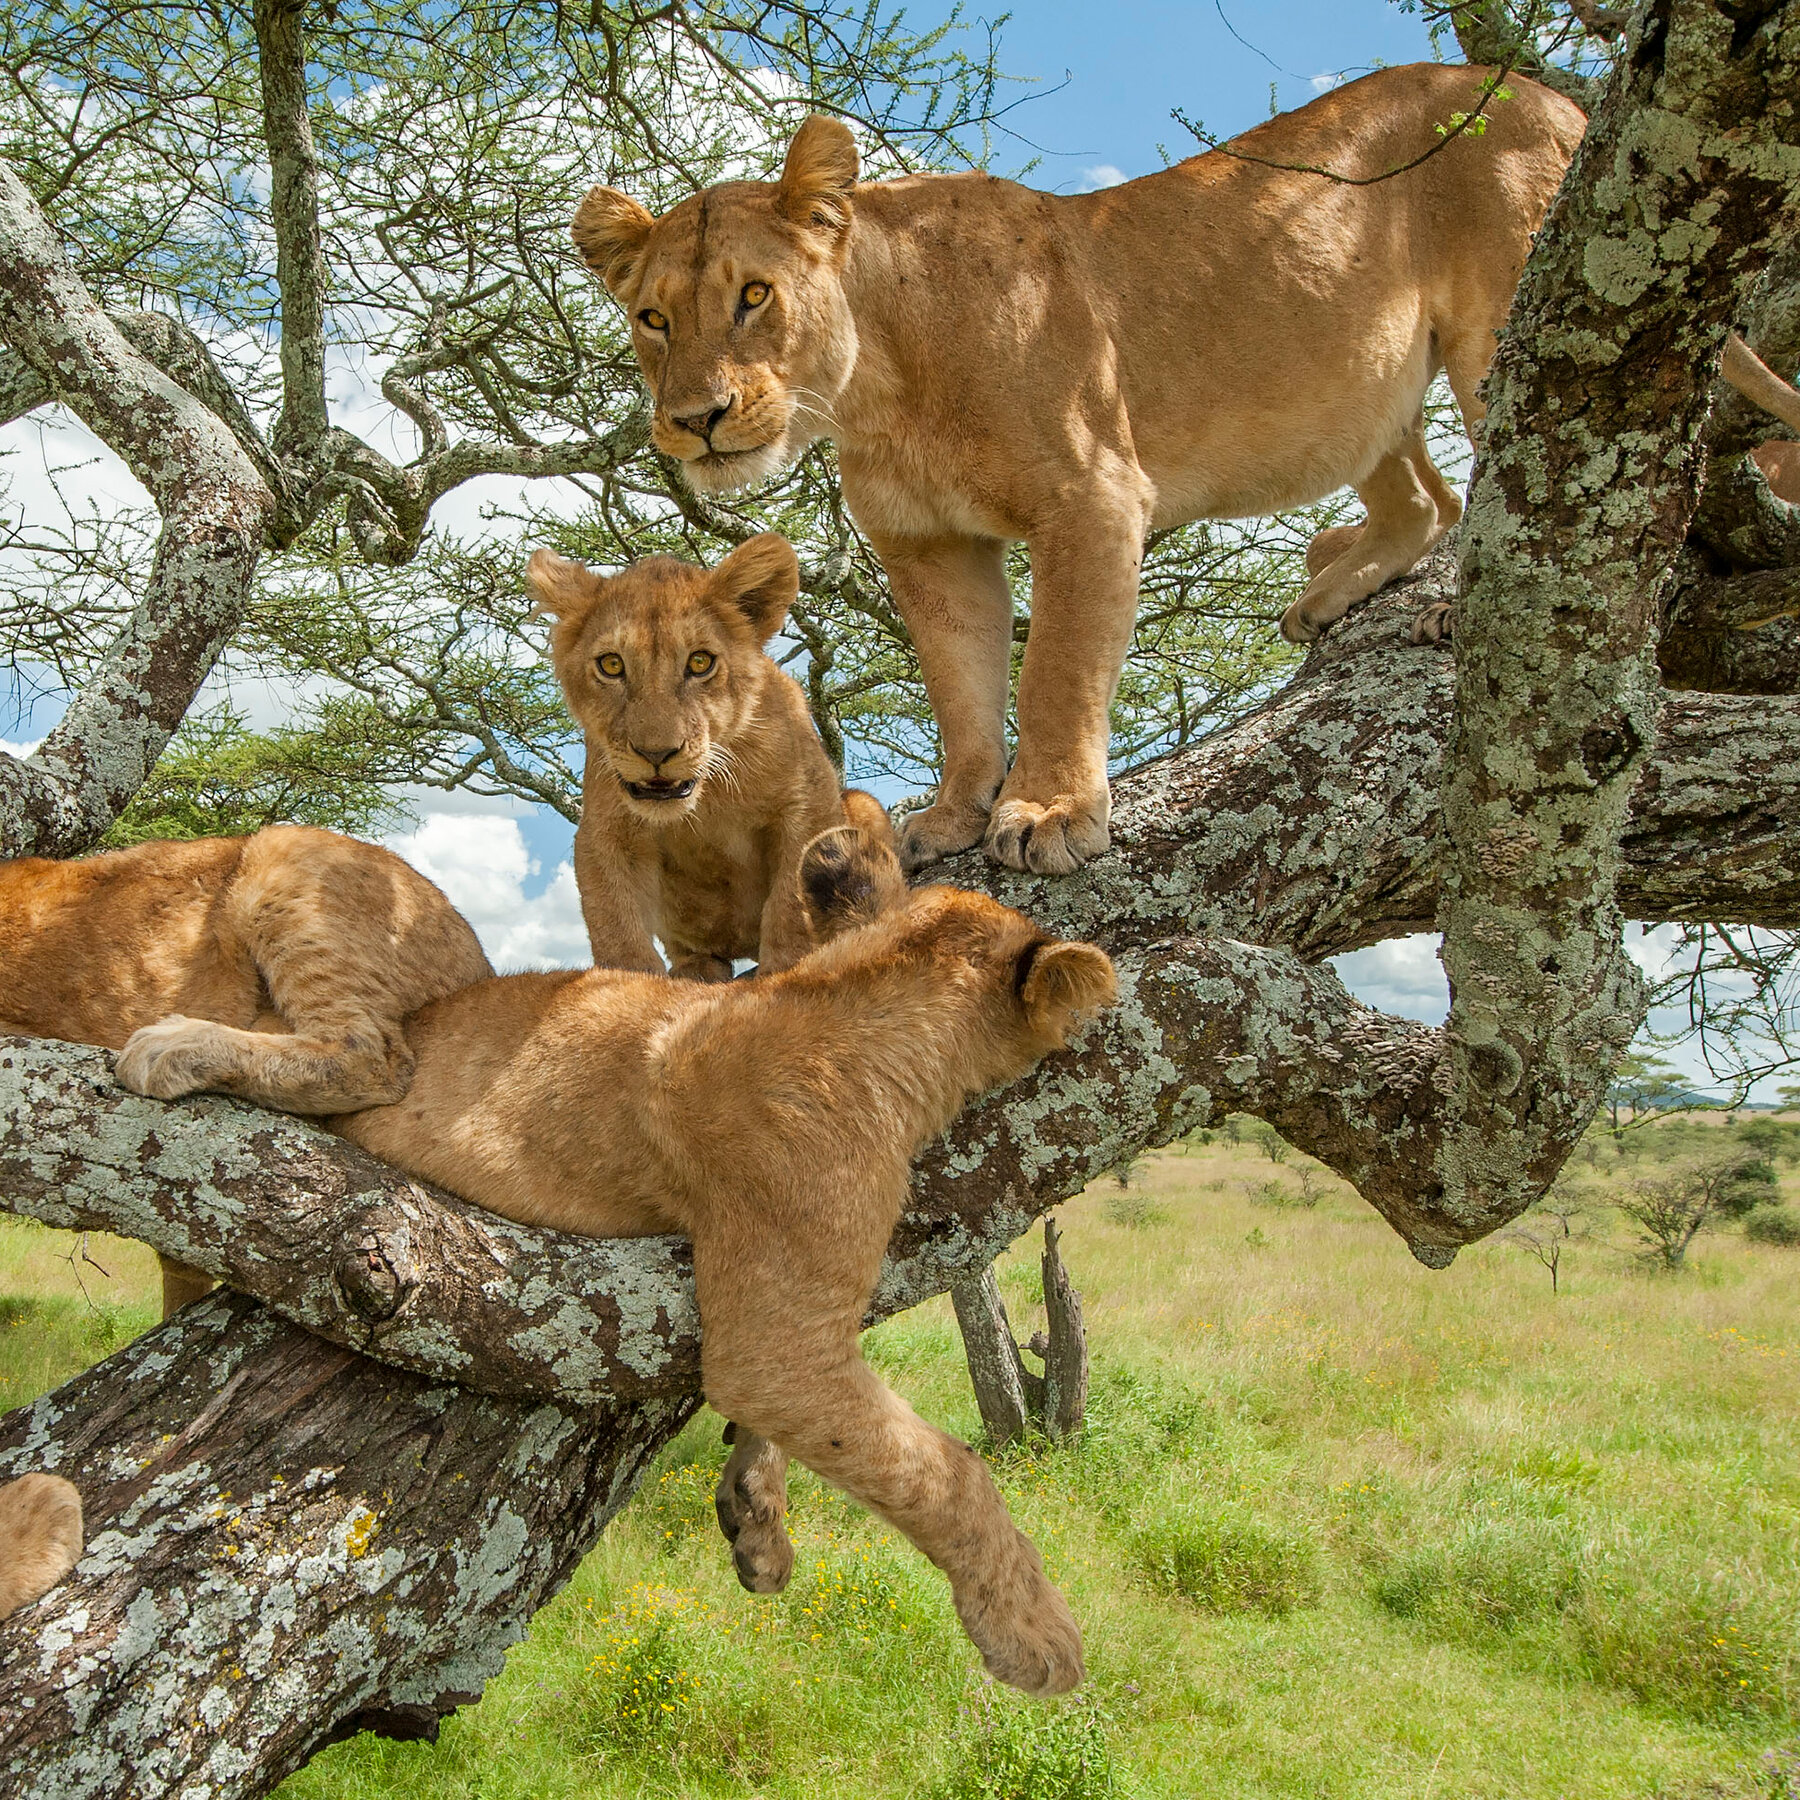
(1338, 1527)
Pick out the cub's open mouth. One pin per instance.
(658, 790)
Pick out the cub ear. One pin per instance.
(610, 230)
(760, 578)
(819, 175)
(562, 588)
(848, 877)
(1058, 982)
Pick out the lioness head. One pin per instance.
(662, 665)
(737, 311)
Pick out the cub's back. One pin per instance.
(91, 950)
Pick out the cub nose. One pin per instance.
(655, 758)
(702, 424)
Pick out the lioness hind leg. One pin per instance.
(342, 1071)
(751, 1501)
(348, 940)
(40, 1538)
(1402, 525)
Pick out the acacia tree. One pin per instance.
(329, 1507)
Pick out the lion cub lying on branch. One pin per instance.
(773, 1122)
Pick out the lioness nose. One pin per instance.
(701, 424)
(656, 758)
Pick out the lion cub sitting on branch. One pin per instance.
(705, 778)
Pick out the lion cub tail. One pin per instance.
(1759, 384)
(40, 1537)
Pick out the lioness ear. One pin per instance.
(848, 877)
(869, 816)
(610, 230)
(561, 587)
(1058, 982)
(760, 578)
(819, 175)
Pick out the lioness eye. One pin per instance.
(701, 662)
(755, 293)
(655, 320)
(612, 665)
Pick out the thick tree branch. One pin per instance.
(1686, 179)
(287, 1543)
(214, 508)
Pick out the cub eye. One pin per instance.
(611, 665)
(652, 318)
(755, 293)
(701, 662)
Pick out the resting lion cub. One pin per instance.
(705, 778)
(40, 1538)
(297, 951)
(773, 1122)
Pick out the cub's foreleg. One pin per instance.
(780, 1358)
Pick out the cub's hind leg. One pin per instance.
(347, 940)
(751, 1501)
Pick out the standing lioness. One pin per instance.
(1227, 337)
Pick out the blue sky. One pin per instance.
(1105, 78)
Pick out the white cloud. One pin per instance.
(1102, 175)
(1323, 84)
(481, 862)
(19, 750)
(1401, 976)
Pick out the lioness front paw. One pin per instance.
(940, 830)
(1023, 1628)
(166, 1060)
(1048, 840)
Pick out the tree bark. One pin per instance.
(1063, 1345)
(287, 1543)
(1684, 183)
(1009, 1395)
(214, 509)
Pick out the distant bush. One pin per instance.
(1773, 1225)
(1136, 1210)
(1490, 1575)
(1013, 1749)
(1270, 1142)
(1223, 1557)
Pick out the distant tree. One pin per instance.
(1670, 1211)
(1548, 1229)
(1642, 1084)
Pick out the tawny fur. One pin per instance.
(278, 967)
(1779, 460)
(772, 1121)
(702, 784)
(1229, 337)
(1217, 339)
(40, 1538)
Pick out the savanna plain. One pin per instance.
(1336, 1526)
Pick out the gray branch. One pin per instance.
(214, 509)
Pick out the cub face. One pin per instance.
(662, 665)
(738, 314)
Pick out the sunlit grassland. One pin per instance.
(1339, 1526)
